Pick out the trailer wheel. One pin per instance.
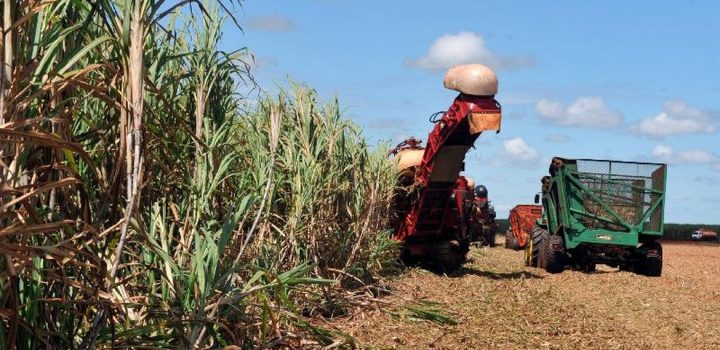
(511, 241)
(532, 249)
(552, 259)
(651, 262)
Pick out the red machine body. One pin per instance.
(522, 218)
(433, 219)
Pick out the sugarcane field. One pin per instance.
(326, 174)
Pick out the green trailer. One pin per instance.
(600, 212)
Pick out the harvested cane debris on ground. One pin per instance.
(499, 303)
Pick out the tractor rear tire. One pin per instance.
(551, 259)
(536, 237)
(449, 256)
(511, 241)
(650, 265)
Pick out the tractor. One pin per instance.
(432, 201)
(704, 234)
(600, 212)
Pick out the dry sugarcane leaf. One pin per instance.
(45, 139)
(25, 229)
(56, 184)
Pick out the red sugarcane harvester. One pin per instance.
(433, 202)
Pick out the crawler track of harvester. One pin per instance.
(432, 223)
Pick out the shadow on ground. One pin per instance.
(464, 271)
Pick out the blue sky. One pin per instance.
(622, 80)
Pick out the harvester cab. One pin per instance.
(431, 218)
(482, 218)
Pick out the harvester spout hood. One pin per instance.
(477, 84)
(472, 79)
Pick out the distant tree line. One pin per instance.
(679, 232)
(682, 232)
(502, 225)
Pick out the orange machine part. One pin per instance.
(522, 219)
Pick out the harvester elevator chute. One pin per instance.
(432, 200)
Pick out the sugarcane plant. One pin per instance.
(144, 202)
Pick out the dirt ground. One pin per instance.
(500, 304)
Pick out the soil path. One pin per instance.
(500, 304)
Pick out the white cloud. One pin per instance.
(517, 148)
(466, 47)
(662, 151)
(273, 23)
(588, 111)
(689, 156)
(697, 156)
(676, 118)
(515, 152)
(558, 138)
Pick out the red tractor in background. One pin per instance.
(704, 234)
(432, 201)
(522, 218)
